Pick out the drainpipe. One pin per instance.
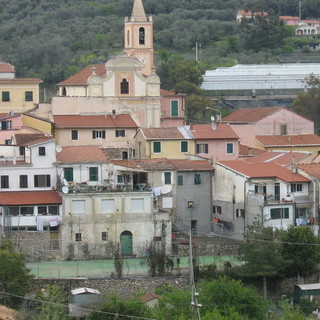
(244, 205)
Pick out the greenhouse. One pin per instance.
(259, 79)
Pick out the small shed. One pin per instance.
(306, 290)
(83, 298)
(150, 299)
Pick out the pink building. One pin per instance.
(172, 109)
(215, 141)
(251, 122)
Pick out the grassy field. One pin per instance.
(105, 268)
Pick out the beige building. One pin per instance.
(17, 95)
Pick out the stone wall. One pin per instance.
(124, 287)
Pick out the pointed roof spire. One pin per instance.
(138, 13)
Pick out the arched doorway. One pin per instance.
(126, 243)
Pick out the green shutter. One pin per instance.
(180, 180)
(68, 174)
(167, 177)
(184, 146)
(156, 146)
(93, 174)
(174, 108)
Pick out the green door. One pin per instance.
(126, 243)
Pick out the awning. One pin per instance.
(29, 198)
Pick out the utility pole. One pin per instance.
(194, 301)
(197, 50)
(300, 5)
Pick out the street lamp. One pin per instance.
(219, 113)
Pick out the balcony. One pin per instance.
(86, 188)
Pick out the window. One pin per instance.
(52, 210)
(174, 108)
(74, 135)
(98, 134)
(93, 174)
(229, 148)
(240, 213)
(78, 206)
(123, 178)
(167, 177)
(42, 180)
(120, 133)
(124, 155)
(124, 86)
(296, 187)
(197, 178)
(4, 182)
(156, 147)
(6, 125)
(137, 205)
(141, 35)
(68, 174)
(8, 142)
(104, 236)
(184, 146)
(22, 151)
(28, 96)
(180, 180)
(260, 189)
(78, 236)
(194, 225)
(42, 151)
(283, 129)
(202, 148)
(26, 211)
(107, 206)
(216, 209)
(190, 204)
(23, 181)
(279, 213)
(5, 96)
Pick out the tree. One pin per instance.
(15, 277)
(300, 248)
(54, 305)
(118, 308)
(225, 294)
(308, 103)
(261, 254)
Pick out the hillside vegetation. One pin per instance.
(54, 39)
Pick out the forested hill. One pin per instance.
(52, 39)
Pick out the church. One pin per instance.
(126, 84)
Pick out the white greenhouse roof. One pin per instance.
(260, 76)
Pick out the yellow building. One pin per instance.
(171, 143)
(17, 95)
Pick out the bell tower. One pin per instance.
(138, 37)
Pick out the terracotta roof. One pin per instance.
(150, 296)
(282, 158)
(165, 164)
(249, 14)
(205, 131)
(29, 139)
(94, 121)
(30, 198)
(81, 77)
(250, 115)
(289, 140)
(263, 170)
(147, 164)
(312, 169)
(162, 133)
(249, 151)
(9, 314)
(81, 154)
(7, 115)
(192, 165)
(289, 18)
(6, 68)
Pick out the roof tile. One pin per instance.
(81, 154)
(289, 140)
(205, 131)
(30, 198)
